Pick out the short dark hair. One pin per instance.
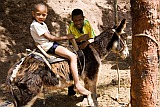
(39, 3)
(76, 12)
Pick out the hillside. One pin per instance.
(15, 38)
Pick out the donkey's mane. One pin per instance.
(101, 42)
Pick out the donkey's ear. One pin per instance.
(121, 27)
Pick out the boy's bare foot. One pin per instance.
(81, 89)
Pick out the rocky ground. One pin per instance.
(15, 18)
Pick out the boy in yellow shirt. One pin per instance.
(83, 35)
(81, 29)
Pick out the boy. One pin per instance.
(81, 29)
(42, 36)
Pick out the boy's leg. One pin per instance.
(61, 51)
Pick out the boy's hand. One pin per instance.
(70, 36)
(83, 45)
(85, 37)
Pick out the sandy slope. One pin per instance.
(15, 38)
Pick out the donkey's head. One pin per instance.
(118, 42)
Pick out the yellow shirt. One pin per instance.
(87, 29)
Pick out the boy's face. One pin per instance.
(40, 13)
(78, 21)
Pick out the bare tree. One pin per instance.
(144, 69)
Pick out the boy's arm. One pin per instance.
(87, 37)
(74, 44)
(91, 35)
(83, 45)
(91, 31)
(84, 37)
(50, 37)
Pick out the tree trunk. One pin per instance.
(144, 69)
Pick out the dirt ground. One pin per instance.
(15, 19)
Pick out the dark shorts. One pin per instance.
(53, 48)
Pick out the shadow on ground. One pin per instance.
(59, 100)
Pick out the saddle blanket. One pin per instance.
(51, 60)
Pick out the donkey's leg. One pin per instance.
(39, 95)
(30, 103)
(91, 85)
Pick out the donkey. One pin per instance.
(31, 78)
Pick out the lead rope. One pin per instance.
(118, 76)
(116, 21)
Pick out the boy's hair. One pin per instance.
(76, 12)
(40, 3)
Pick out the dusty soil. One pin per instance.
(15, 18)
